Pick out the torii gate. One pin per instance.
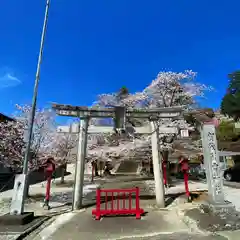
(119, 114)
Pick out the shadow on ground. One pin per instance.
(89, 200)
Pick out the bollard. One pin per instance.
(47, 196)
(164, 167)
(185, 168)
(49, 166)
(185, 175)
(93, 170)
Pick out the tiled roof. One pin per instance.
(202, 115)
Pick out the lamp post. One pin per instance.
(18, 208)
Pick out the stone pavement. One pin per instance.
(19, 231)
(61, 196)
(165, 224)
(155, 225)
(232, 194)
(211, 221)
(83, 226)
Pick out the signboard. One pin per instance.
(83, 114)
(66, 113)
(184, 133)
(169, 115)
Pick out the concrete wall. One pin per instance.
(4, 169)
(7, 179)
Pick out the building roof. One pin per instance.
(4, 117)
(201, 115)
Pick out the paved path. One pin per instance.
(82, 226)
(61, 196)
(231, 194)
(156, 224)
(113, 228)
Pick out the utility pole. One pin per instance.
(21, 183)
(80, 164)
(157, 166)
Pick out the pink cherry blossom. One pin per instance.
(13, 138)
(169, 89)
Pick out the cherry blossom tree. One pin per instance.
(175, 89)
(122, 98)
(11, 144)
(14, 133)
(169, 89)
(43, 131)
(60, 148)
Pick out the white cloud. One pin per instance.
(9, 80)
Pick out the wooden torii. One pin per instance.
(120, 115)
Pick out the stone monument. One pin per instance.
(213, 170)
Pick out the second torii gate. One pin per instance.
(120, 114)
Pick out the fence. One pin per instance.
(117, 202)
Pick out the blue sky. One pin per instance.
(97, 46)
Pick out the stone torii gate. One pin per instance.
(119, 114)
(209, 144)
